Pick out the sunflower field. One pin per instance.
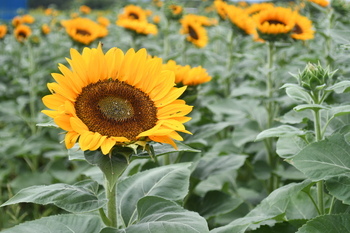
(176, 116)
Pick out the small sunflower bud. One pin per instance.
(315, 77)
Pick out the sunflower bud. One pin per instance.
(315, 77)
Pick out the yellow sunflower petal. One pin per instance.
(107, 145)
(78, 125)
(163, 139)
(70, 139)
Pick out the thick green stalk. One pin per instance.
(111, 194)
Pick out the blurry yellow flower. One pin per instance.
(3, 31)
(45, 29)
(133, 12)
(74, 15)
(176, 9)
(240, 19)
(196, 33)
(257, 7)
(84, 30)
(323, 3)
(156, 19)
(17, 20)
(303, 28)
(22, 32)
(201, 20)
(221, 8)
(85, 9)
(116, 99)
(28, 19)
(103, 21)
(141, 27)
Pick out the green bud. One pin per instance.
(315, 77)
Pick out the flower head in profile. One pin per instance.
(116, 99)
(303, 29)
(84, 30)
(241, 20)
(275, 24)
(322, 3)
(132, 12)
(140, 27)
(195, 32)
(85, 9)
(22, 32)
(3, 31)
(186, 75)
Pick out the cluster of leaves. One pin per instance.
(225, 184)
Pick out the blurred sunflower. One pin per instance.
(140, 27)
(221, 8)
(45, 29)
(103, 21)
(257, 7)
(17, 20)
(22, 32)
(196, 33)
(172, 11)
(175, 9)
(156, 19)
(303, 28)
(186, 75)
(202, 20)
(275, 23)
(84, 30)
(28, 19)
(133, 12)
(125, 99)
(85, 9)
(322, 3)
(3, 31)
(241, 20)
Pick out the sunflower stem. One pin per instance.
(183, 58)
(111, 194)
(32, 92)
(166, 39)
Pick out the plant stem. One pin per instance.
(32, 92)
(230, 51)
(111, 193)
(166, 39)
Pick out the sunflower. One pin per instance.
(195, 32)
(257, 7)
(140, 27)
(175, 9)
(17, 20)
(133, 12)
(186, 75)
(241, 20)
(28, 19)
(84, 30)
(302, 29)
(200, 19)
(22, 32)
(103, 21)
(85, 9)
(322, 3)
(3, 31)
(116, 99)
(221, 8)
(45, 29)
(275, 23)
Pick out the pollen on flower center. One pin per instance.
(116, 109)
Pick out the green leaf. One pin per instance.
(273, 208)
(67, 223)
(209, 130)
(170, 182)
(158, 215)
(112, 167)
(339, 187)
(211, 166)
(298, 93)
(324, 159)
(314, 107)
(339, 110)
(327, 223)
(76, 154)
(339, 87)
(287, 147)
(81, 197)
(280, 131)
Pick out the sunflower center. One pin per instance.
(133, 16)
(297, 29)
(83, 32)
(275, 22)
(192, 33)
(115, 108)
(22, 35)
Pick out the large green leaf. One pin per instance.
(324, 159)
(158, 215)
(297, 93)
(327, 223)
(170, 182)
(280, 131)
(211, 166)
(273, 208)
(80, 197)
(66, 223)
(287, 147)
(162, 149)
(339, 187)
